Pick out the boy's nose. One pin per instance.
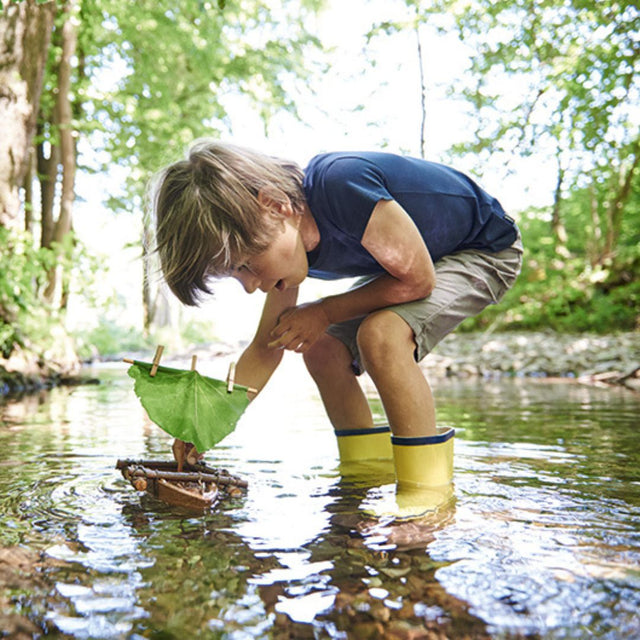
(248, 280)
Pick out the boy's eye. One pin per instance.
(244, 267)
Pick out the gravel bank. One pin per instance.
(611, 358)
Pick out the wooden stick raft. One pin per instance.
(196, 488)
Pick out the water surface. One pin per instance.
(542, 539)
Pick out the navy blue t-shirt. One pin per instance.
(451, 211)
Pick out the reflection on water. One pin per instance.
(542, 539)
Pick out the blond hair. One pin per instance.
(208, 215)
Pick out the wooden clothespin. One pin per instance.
(231, 380)
(230, 377)
(156, 360)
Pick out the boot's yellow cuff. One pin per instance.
(424, 462)
(356, 445)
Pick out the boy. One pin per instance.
(431, 246)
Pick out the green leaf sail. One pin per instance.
(187, 405)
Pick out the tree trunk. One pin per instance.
(28, 191)
(615, 210)
(25, 32)
(66, 135)
(47, 164)
(593, 248)
(148, 311)
(557, 226)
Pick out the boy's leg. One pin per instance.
(329, 362)
(387, 348)
(422, 453)
(392, 341)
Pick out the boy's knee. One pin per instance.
(314, 358)
(324, 355)
(383, 337)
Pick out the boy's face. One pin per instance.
(283, 265)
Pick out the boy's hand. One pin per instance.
(299, 327)
(185, 452)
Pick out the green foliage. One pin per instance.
(109, 338)
(197, 332)
(572, 64)
(571, 73)
(178, 63)
(25, 319)
(22, 272)
(570, 294)
(147, 78)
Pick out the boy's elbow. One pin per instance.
(429, 287)
(420, 282)
(416, 290)
(264, 354)
(425, 288)
(423, 285)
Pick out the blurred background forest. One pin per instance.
(538, 99)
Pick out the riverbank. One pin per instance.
(610, 359)
(26, 372)
(590, 358)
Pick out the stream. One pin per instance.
(542, 539)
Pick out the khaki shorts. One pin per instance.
(466, 282)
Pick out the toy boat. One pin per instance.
(195, 487)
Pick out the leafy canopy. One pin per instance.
(162, 73)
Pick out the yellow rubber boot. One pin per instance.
(424, 462)
(366, 453)
(424, 473)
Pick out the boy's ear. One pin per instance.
(274, 200)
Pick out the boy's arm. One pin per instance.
(258, 361)
(393, 239)
(255, 365)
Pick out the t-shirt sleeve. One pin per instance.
(353, 186)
